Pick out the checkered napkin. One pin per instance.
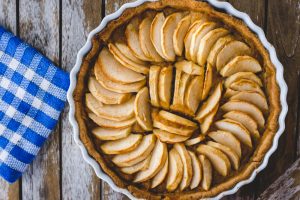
(32, 95)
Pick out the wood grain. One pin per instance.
(78, 178)
(39, 26)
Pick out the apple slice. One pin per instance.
(247, 108)
(207, 81)
(123, 145)
(104, 95)
(245, 120)
(241, 64)
(132, 37)
(126, 62)
(115, 86)
(227, 139)
(176, 119)
(189, 67)
(176, 87)
(103, 133)
(207, 42)
(111, 123)
(195, 140)
(217, 47)
(161, 175)
(242, 75)
(208, 120)
(168, 137)
(142, 109)
(175, 170)
(246, 85)
(230, 92)
(158, 159)
(153, 84)
(145, 40)
(237, 129)
(231, 50)
(117, 112)
(233, 157)
(165, 86)
(210, 103)
(179, 34)
(218, 159)
(184, 82)
(156, 33)
(252, 97)
(193, 93)
(125, 51)
(187, 166)
(197, 170)
(143, 165)
(207, 172)
(167, 30)
(136, 128)
(135, 156)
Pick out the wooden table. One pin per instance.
(59, 28)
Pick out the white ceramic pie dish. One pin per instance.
(226, 7)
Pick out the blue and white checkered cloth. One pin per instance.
(32, 95)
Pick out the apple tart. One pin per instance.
(177, 100)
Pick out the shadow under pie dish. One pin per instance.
(177, 100)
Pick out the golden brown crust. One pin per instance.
(272, 91)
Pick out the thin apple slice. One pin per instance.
(179, 34)
(158, 159)
(132, 37)
(247, 108)
(184, 82)
(156, 32)
(252, 97)
(126, 62)
(230, 92)
(187, 166)
(115, 86)
(143, 165)
(237, 129)
(241, 64)
(136, 128)
(227, 139)
(175, 170)
(176, 119)
(207, 172)
(218, 46)
(103, 133)
(168, 137)
(111, 123)
(165, 86)
(168, 29)
(161, 175)
(233, 157)
(246, 85)
(195, 140)
(153, 84)
(218, 159)
(197, 170)
(207, 42)
(104, 95)
(207, 84)
(210, 103)
(208, 120)
(117, 112)
(142, 109)
(189, 67)
(145, 40)
(141, 152)
(123, 145)
(231, 50)
(125, 50)
(176, 87)
(193, 93)
(247, 121)
(242, 75)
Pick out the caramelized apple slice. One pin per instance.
(230, 92)
(252, 97)
(195, 140)
(207, 172)
(156, 33)
(197, 170)
(136, 128)
(153, 84)
(175, 171)
(111, 123)
(143, 165)
(125, 51)
(207, 81)
(246, 85)
(165, 86)
(242, 75)
(123, 145)
(168, 137)
(193, 93)
(176, 119)
(161, 175)
(179, 34)
(189, 67)
(103, 133)
(208, 120)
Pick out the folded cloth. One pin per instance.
(32, 95)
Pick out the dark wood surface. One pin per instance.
(59, 28)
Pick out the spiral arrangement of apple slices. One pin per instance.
(156, 94)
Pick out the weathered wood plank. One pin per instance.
(9, 8)
(78, 178)
(39, 26)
